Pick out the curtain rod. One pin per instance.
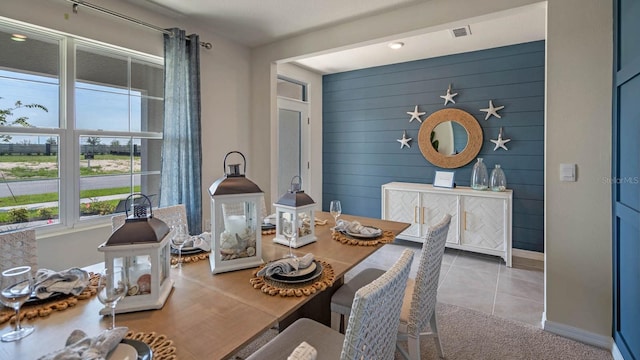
(76, 3)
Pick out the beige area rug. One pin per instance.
(469, 334)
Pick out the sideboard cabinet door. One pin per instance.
(483, 222)
(434, 207)
(403, 206)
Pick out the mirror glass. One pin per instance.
(449, 138)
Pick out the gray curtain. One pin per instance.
(181, 151)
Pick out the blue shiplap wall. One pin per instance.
(364, 113)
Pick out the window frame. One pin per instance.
(69, 152)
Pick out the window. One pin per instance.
(80, 127)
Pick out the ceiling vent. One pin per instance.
(460, 31)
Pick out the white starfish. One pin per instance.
(492, 110)
(404, 141)
(449, 96)
(500, 142)
(415, 114)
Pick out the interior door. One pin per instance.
(626, 179)
(293, 144)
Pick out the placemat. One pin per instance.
(161, 347)
(189, 258)
(46, 308)
(272, 287)
(386, 238)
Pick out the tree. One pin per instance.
(93, 140)
(6, 117)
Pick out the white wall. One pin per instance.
(578, 116)
(225, 99)
(578, 215)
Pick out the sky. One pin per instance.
(97, 107)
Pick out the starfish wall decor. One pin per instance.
(449, 97)
(415, 114)
(405, 140)
(500, 141)
(492, 110)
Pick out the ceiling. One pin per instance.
(258, 22)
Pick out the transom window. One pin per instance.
(80, 127)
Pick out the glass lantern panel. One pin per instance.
(284, 218)
(305, 223)
(164, 263)
(238, 239)
(139, 274)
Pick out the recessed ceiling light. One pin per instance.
(18, 37)
(396, 45)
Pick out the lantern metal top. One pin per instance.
(233, 182)
(140, 227)
(295, 197)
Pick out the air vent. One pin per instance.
(460, 31)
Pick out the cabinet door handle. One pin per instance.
(415, 214)
(422, 216)
(464, 220)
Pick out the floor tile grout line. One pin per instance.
(495, 293)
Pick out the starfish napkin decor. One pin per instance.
(415, 114)
(500, 141)
(449, 97)
(405, 140)
(492, 110)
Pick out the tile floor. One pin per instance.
(479, 282)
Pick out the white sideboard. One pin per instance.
(481, 220)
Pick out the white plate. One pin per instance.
(123, 352)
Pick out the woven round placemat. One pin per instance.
(272, 287)
(386, 238)
(160, 345)
(45, 308)
(189, 258)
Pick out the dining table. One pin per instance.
(211, 316)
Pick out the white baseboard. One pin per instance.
(574, 333)
(615, 352)
(534, 255)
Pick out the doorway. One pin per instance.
(293, 144)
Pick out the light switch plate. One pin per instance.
(567, 172)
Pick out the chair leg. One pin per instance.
(413, 345)
(436, 334)
(336, 321)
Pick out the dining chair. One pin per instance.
(371, 329)
(418, 315)
(18, 248)
(171, 215)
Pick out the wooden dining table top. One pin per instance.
(206, 316)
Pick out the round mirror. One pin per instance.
(450, 138)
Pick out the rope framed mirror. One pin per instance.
(429, 146)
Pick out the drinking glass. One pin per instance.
(335, 208)
(16, 286)
(289, 230)
(179, 238)
(112, 286)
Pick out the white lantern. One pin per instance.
(298, 208)
(236, 233)
(142, 247)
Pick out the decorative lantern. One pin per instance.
(235, 220)
(142, 247)
(297, 207)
